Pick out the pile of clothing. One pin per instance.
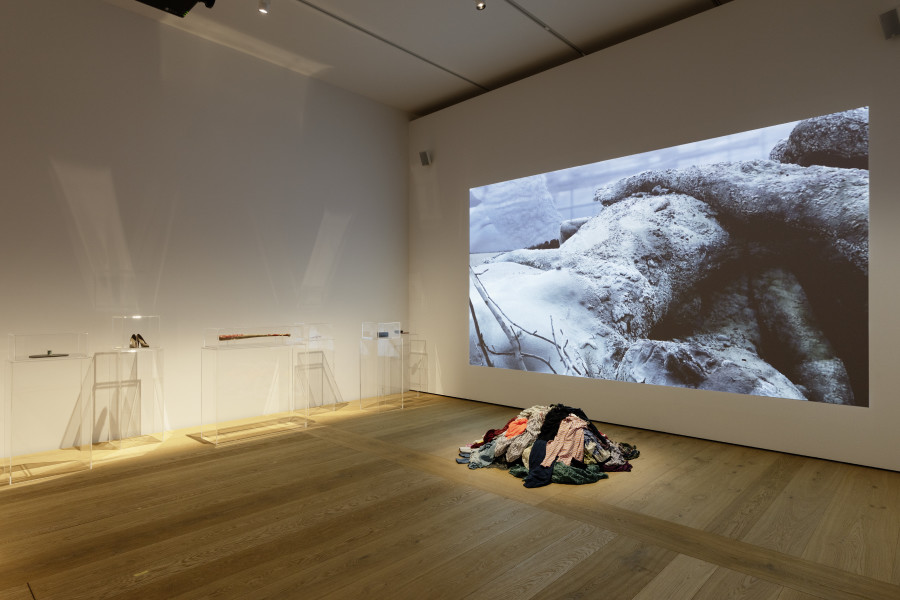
(549, 444)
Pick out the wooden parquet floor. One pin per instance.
(371, 504)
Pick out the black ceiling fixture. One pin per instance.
(178, 8)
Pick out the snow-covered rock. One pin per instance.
(835, 140)
(686, 364)
(570, 227)
(645, 255)
(830, 206)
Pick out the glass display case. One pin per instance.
(136, 332)
(253, 382)
(128, 400)
(47, 406)
(322, 388)
(381, 367)
(416, 361)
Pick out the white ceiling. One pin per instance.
(423, 55)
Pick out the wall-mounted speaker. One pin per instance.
(890, 23)
(425, 158)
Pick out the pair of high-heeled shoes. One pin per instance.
(137, 341)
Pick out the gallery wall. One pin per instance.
(744, 65)
(146, 171)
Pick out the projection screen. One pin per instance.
(737, 264)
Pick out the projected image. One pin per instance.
(737, 264)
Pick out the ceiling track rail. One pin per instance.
(545, 27)
(390, 43)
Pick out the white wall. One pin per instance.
(745, 65)
(147, 171)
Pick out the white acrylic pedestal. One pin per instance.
(322, 388)
(381, 371)
(253, 382)
(47, 406)
(416, 361)
(129, 406)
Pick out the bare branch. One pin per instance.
(527, 355)
(515, 337)
(481, 344)
(563, 356)
(498, 315)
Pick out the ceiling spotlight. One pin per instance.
(264, 6)
(480, 5)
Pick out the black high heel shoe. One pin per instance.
(141, 342)
(133, 342)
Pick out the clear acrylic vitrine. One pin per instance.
(129, 402)
(416, 361)
(47, 406)
(253, 382)
(322, 388)
(381, 375)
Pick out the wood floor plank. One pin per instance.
(860, 528)
(726, 584)
(617, 571)
(178, 448)
(685, 494)
(241, 573)
(456, 428)
(792, 517)
(681, 579)
(895, 578)
(792, 594)
(404, 542)
(307, 558)
(545, 566)
(456, 433)
(733, 554)
(20, 592)
(125, 573)
(717, 491)
(154, 491)
(488, 479)
(745, 510)
(490, 558)
(387, 425)
(409, 576)
(134, 529)
(192, 452)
